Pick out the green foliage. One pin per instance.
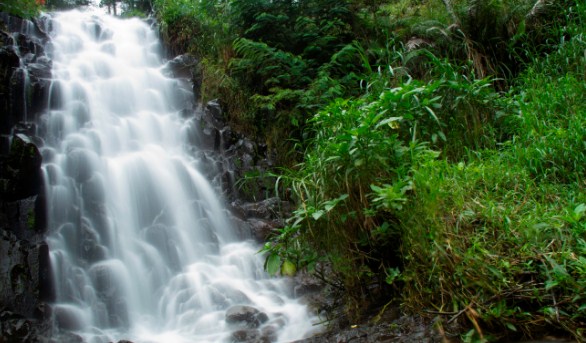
(480, 237)
(65, 4)
(498, 37)
(198, 27)
(553, 107)
(500, 237)
(280, 58)
(21, 8)
(268, 67)
(338, 187)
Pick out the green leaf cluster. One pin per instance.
(21, 8)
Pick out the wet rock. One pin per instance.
(267, 209)
(213, 114)
(64, 336)
(88, 241)
(225, 295)
(245, 316)
(14, 328)
(24, 275)
(270, 333)
(262, 229)
(306, 284)
(259, 219)
(55, 95)
(157, 236)
(40, 70)
(26, 26)
(229, 156)
(248, 336)
(182, 66)
(9, 62)
(24, 72)
(39, 83)
(20, 175)
(25, 218)
(67, 318)
(81, 164)
(106, 280)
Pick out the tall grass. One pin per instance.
(498, 242)
(486, 245)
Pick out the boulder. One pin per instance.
(250, 336)
(245, 316)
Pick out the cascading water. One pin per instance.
(141, 247)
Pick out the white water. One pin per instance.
(141, 248)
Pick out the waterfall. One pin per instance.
(141, 247)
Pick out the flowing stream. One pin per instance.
(141, 247)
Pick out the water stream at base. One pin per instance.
(141, 247)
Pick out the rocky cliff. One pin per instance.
(25, 277)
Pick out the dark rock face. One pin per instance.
(260, 218)
(20, 175)
(25, 287)
(25, 71)
(226, 157)
(15, 328)
(25, 271)
(181, 66)
(185, 66)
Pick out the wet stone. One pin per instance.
(249, 336)
(245, 316)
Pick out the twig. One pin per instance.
(441, 313)
(460, 313)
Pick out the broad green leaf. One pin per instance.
(272, 264)
(317, 214)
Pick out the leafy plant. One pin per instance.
(22, 8)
